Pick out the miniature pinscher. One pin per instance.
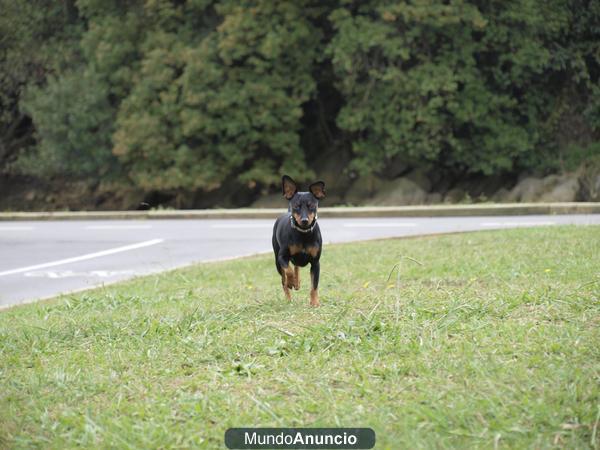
(297, 238)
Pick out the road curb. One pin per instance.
(506, 209)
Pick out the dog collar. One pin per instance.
(303, 230)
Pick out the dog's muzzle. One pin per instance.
(299, 228)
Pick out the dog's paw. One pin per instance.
(290, 280)
(314, 299)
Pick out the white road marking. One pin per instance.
(110, 251)
(71, 273)
(118, 227)
(515, 224)
(241, 226)
(15, 228)
(380, 225)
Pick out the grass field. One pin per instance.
(480, 340)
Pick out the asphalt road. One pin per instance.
(43, 259)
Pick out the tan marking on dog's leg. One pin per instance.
(286, 289)
(296, 277)
(289, 277)
(314, 294)
(314, 297)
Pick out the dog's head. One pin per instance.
(303, 205)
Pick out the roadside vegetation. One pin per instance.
(198, 103)
(479, 340)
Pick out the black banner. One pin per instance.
(299, 438)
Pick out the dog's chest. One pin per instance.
(304, 249)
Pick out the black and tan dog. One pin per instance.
(297, 238)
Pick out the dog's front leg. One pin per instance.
(296, 277)
(315, 269)
(287, 273)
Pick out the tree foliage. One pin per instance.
(230, 102)
(461, 84)
(189, 95)
(37, 39)
(74, 123)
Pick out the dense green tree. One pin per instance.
(74, 122)
(192, 95)
(227, 104)
(463, 85)
(36, 40)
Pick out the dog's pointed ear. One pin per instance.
(288, 187)
(317, 189)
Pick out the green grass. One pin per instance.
(477, 340)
